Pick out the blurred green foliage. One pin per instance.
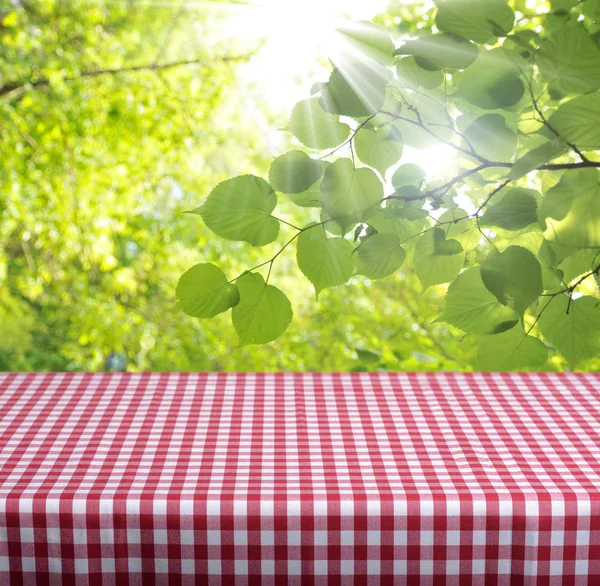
(106, 139)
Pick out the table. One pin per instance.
(383, 478)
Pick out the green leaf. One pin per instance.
(315, 128)
(582, 261)
(357, 91)
(413, 76)
(410, 207)
(442, 246)
(367, 356)
(263, 313)
(563, 5)
(332, 227)
(311, 198)
(491, 138)
(386, 222)
(578, 121)
(570, 59)
(551, 276)
(379, 256)
(515, 211)
(492, 82)
(477, 20)
(514, 277)
(379, 148)
(391, 104)
(510, 350)
(350, 195)
(591, 9)
(408, 174)
(473, 309)
(240, 209)
(294, 172)
(433, 116)
(326, 262)
(522, 40)
(576, 333)
(462, 229)
(437, 260)
(367, 40)
(537, 157)
(570, 211)
(442, 51)
(204, 291)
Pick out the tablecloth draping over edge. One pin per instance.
(441, 479)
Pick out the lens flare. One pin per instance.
(291, 41)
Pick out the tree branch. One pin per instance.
(549, 126)
(420, 124)
(485, 163)
(348, 141)
(12, 86)
(494, 192)
(444, 187)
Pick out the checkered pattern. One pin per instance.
(428, 479)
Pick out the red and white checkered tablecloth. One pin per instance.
(428, 479)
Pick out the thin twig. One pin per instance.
(44, 81)
(354, 133)
(546, 123)
(492, 194)
(419, 122)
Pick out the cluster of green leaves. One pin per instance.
(512, 233)
(113, 115)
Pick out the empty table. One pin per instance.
(383, 478)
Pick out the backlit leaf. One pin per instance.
(434, 117)
(240, 209)
(385, 221)
(357, 90)
(510, 350)
(263, 313)
(576, 333)
(380, 256)
(326, 262)
(491, 138)
(294, 172)
(204, 291)
(493, 81)
(350, 195)
(380, 148)
(311, 198)
(513, 276)
(408, 174)
(570, 59)
(515, 211)
(578, 121)
(315, 128)
(551, 276)
(477, 20)
(441, 51)
(413, 76)
(366, 40)
(437, 260)
(473, 309)
(537, 157)
(462, 229)
(570, 211)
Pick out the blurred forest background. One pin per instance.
(116, 118)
